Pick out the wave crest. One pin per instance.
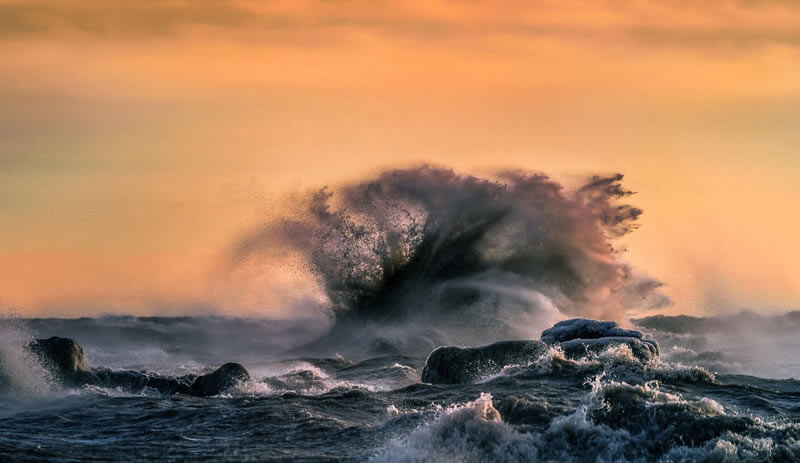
(491, 258)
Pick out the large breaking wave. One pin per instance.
(462, 257)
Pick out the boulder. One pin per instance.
(585, 328)
(579, 337)
(63, 357)
(220, 380)
(459, 365)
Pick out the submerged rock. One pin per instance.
(63, 357)
(458, 365)
(214, 383)
(134, 381)
(220, 380)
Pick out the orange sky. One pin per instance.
(139, 140)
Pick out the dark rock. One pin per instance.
(459, 365)
(63, 357)
(182, 385)
(136, 381)
(585, 328)
(220, 380)
(579, 337)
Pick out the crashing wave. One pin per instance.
(21, 371)
(470, 432)
(426, 257)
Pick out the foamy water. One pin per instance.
(604, 407)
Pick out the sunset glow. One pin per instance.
(140, 140)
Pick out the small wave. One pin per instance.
(617, 361)
(298, 377)
(117, 391)
(469, 432)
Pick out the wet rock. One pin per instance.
(63, 357)
(136, 381)
(220, 380)
(579, 337)
(585, 328)
(459, 365)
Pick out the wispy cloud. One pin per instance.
(685, 24)
(27, 19)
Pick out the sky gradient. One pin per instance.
(140, 140)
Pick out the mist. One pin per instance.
(469, 258)
(741, 343)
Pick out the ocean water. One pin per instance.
(406, 262)
(606, 407)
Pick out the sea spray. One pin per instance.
(470, 432)
(468, 259)
(21, 373)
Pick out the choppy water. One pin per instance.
(608, 408)
(408, 261)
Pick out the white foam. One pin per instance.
(475, 431)
(21, 373)
(465, 433)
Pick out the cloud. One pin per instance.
(98, 19)
(684, 24)
(722, 36)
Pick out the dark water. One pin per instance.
(603, 408)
